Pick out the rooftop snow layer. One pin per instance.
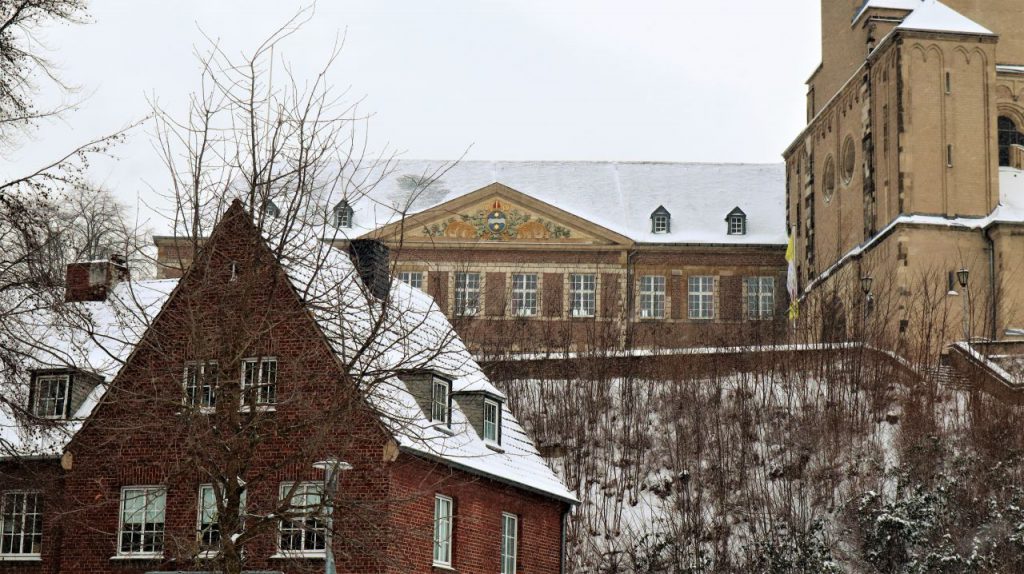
(934, 16)
(619, 196)
(887, 4)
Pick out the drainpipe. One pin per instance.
(630, 255)
(561, 561)
(993, 308)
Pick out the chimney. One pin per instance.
(91, 280)
(371, 258)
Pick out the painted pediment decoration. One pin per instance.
(498, 221)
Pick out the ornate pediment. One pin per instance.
(500, 214)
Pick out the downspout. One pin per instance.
(629, 291)
(565, 521)
(993, 308)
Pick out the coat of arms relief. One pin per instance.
(501, 222)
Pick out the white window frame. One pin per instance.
(149, 493)
(28, 522)
(737, 225)
(343, 215)
(525, 294)
(495, 425)
(441, 401)
(652, 297)
(659, 224)
(200, 384)
(760, 297)
(443, 531)
(582, 294)
(467, 298)
(414, 279)
(210, 551)
(37, 397)
(266, 392)
(509, 542)
(700, 297)
(309, 514)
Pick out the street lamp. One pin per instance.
(330, 466)
(865, 285)
(961, 277)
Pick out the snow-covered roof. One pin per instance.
(934, 16)
(927, 16)
(95, 337)
(619, 196)
(410, 333)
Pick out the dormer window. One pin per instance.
(343, 215)
(51, 396)
(441, 402)
(492, 421)
(272, 209)
(661, 220)
(736, 222)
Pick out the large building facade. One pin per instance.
(526, 256)
(909, 167)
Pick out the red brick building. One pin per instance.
(570, 255)
(277, 405)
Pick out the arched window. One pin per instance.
(1009, 135)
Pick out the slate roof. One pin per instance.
(619, 196)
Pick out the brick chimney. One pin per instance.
(91, 280)
(371, 258)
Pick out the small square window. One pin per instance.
(737, 225)
(659, 224)
(412, 278)
(50, 396)
(492, 421)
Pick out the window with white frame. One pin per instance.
(701, 297)
(21, 524)
(737, 225)
(659, 224)
(412, 278)
(467, 294)
(440, 401)
(524, 294)
(760, 297)
(142, 521)
(652, 297)
(509, 542)
(208, 527)
(259, 381)
(492, 421)
(582, 294)
(305, 530)
(343, 214)
(50, 396)
(442, 531)
(201, 384)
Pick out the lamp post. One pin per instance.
(330, 466)
(865, 286)
(961, 277)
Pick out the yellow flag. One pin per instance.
(791, 278)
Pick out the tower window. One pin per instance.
(661, 220)
(1009, 136)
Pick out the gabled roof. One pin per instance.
(887, 4)
(735, 211)
(660, 211)
(618, 196)
(934, 16)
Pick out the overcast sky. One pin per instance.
(665, 80)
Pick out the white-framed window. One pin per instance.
(659, 224)
(208, 529)
(21, 524)
(201, 384)
(305, 530)
(443, 531)
(50, 394)
(524, 294)
(760, 297)
(509, 542)
(737, 225)
(343, 214)
(582, 294)
(652, 297)
(141, 532)
(701, 297)
(440, 401)
(467, 294)
(492, 421)
(412, 278)
(259, 381)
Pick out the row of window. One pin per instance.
(758, 294)
(735, 221)
(143, 512)
(258, 378)
(441, 410)
(444, 535)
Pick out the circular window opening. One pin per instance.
(849, 160)
(829, 183)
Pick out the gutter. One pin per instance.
(993, 308)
